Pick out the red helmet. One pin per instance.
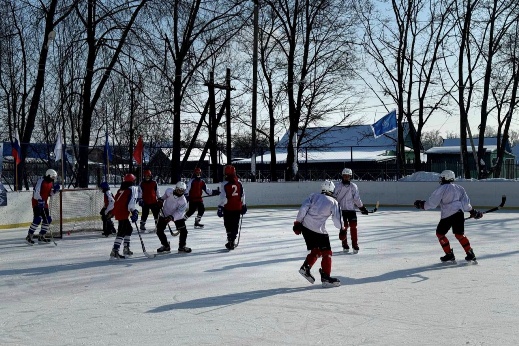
(146, 174)
(230, 170)
(198, 171)
(129, 177)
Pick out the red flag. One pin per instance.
(137, 152)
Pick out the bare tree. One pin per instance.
(316, 40)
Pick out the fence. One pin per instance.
(157, 159)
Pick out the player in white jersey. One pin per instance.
(348, 196)
(310, 221)
(174, 205)
(453, 201)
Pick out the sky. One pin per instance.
(394, 291)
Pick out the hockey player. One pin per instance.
(311, 221)
(174, 207)
(148, 193)
(347, 194)
(44, 188)
(125, 205)
(232, 205)
(453, 201)
(106, 216)
(195, 186)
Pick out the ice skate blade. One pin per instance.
(345, 250)
(331, 284)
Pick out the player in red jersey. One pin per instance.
(44, 188)
(125, 205)
(232, 204)
(193, 193)
(148, 198)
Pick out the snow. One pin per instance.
(394, 292)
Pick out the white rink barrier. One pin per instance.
(483, 195)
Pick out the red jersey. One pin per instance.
(194, 189)
(124, 203)
(233, 196)
(42, 190)
(149, 191)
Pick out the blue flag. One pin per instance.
(384, 125)
(107, 154)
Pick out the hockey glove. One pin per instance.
(419, 204)
(160, 203)
(297, 228)
(56, 187)
(135, 215)
(476, 214)
(140, 202)
(215, 193)
(220, 211)
(363, 210)
(244, 209)
(342, 234)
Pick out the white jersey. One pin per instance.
(111, 201)
(174, 206)
(316, 209)
(451, 198)
(348, 196)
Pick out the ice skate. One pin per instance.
(305, 272)
(42, 239)
(164, 249)
(230, 245)
(345, 247)
(448, 257)
(29, 240)
(126, 251)
(143, 226)
(197, 222)
(114, 255)
(328, 281)
(184, 249)
(355, 249)
(471, 257)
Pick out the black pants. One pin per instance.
(180, 225)
(231, 221)
(195, 206)
(146, 211)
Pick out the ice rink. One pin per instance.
(394, 291)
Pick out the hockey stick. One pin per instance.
(503, 200)
(142, 243)
(174, 234)
(51, 236)
(239, 232)
(374, 210)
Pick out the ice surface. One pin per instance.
(394, 292)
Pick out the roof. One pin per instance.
(340, 138)
(452, 146)
(357, 154)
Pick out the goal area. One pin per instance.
(76, 210)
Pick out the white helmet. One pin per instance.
(327, 187)
(347, 171)
(51, 174)
(180, 186)
(447, 175)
